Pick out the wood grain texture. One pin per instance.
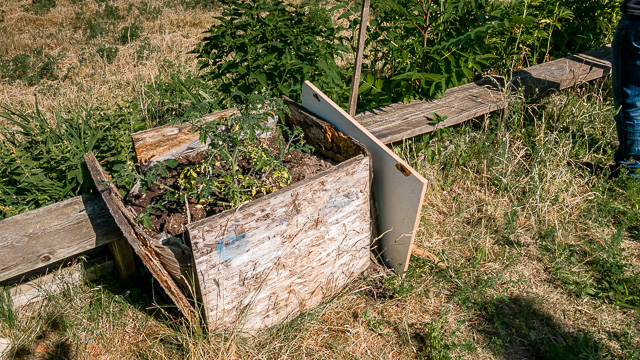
(399, 190)
(332, 144)
(402, 121)
(149, 144)
(44, 236)
(137, 238)
(122, 255)
(263, 262)
(55, 282)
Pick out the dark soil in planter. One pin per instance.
(174, 217)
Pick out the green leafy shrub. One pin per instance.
(276, 45)
(239, 165)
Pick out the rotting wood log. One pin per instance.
(262, 262)
(52, 233)
(402, 121)
(149, 144)
(137, 238)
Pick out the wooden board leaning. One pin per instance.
(399, 189)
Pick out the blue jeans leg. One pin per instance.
(625, 78)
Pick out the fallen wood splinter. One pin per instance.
(424, 254)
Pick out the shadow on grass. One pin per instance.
(518, 327)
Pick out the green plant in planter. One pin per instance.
(244, 160)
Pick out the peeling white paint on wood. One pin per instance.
(265, 261)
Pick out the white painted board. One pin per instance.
(399, 189)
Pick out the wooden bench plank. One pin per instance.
(402, 121)
(52, 233)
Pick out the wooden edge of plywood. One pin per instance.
(138, 240)
(399, 188)
(151, 143)
(45, 236)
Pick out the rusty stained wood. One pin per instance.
(149, 144)
(263, 262)
(402, 121)
(137, 238)
(52, 233)
(399, 190)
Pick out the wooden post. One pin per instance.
(123, 257)
(355, 81)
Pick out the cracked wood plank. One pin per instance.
(137, 238)
(402, 121)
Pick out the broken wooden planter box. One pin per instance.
(266, 260)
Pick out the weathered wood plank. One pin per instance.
(322, 136)
(149, 144)
(402, 121)
(262, 262)
(399, 190)
(138, 240)
(55, 282)
(44, 236)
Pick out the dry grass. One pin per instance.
(86, 77)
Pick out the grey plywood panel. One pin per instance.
(399, 189)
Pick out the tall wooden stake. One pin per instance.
(355, 81)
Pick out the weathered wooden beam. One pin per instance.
(355, 81)
(122, 255)
(47, 235)
(402, 121)
(137, 238)
(149, 144)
